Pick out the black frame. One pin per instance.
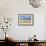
(26, 24)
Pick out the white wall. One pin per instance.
(12, 8)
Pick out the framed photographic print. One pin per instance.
(25, 19)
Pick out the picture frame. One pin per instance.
(25, 19)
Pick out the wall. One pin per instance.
(11, 8)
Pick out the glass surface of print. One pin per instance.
(25, 19)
